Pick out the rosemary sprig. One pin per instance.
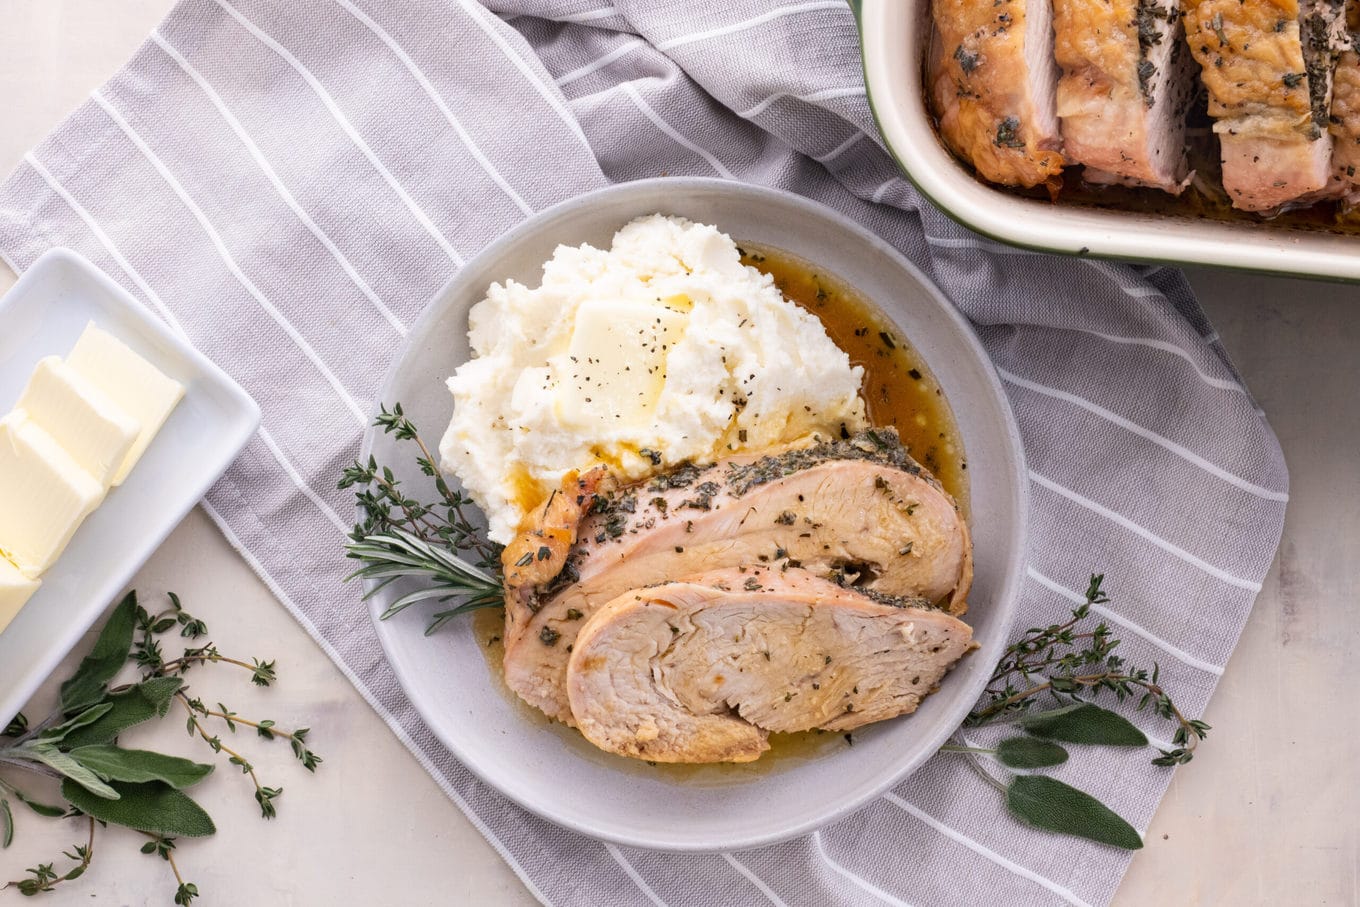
(109, 784)
(398, 554)
(386, 506)
(1071, 666)
(400, 536)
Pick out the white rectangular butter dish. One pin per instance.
(43, 315)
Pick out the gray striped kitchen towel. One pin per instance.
(290, 182)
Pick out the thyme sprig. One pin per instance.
(386, 506)
(164, 847)
(43, 878)
(109, 784)
(1072, 665)
(400, 536)
(1069, 665)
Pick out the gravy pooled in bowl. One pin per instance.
(899, 389)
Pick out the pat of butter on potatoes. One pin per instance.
(77, 430)
(616, 363)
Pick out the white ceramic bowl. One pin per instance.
(896, 35)
(549, 768)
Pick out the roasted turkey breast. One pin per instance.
(860, 510)
(703, 670)
(991, 82)
(1268, 68)
(1344, 123)
(1126, 84)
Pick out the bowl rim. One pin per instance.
(1011, 573)
(898, 108)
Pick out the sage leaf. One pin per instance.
(150, 806)
(1083, 722)
(64, 763)
(140, 702)
(117, 764)
(7, 819)
(82, 719)
(1049, 804)
(42, 809)
(87, 685)
(1027, 752)
(16, 727)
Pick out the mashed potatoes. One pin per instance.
(661, 350)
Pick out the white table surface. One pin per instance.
(1267, 813)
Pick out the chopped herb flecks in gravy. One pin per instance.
(899, 389)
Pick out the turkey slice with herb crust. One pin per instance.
(860, 510)
(704, 670)
(991, 82)
(1126, 83)
(1344, 123)
(1268, 67)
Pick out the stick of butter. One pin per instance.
(44, 495)
(15, 590)
(133, 384)
(93, 429)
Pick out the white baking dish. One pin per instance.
(895, 38)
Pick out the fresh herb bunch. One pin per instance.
(387, 508)
(400, 536)
(104, 783)
(1063, 662)
(1065, 665)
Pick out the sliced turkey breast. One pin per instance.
(1125, 88)
(1268, 69)
(1345, 118)
(703, 670)
(1345, 121)
(539, 552)
(860, 510)
(992, 79)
